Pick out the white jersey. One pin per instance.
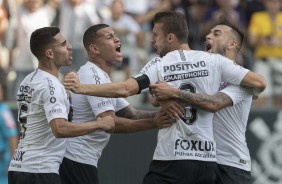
(230, 126)
(197, 72)
(40, 99)
(87, 149)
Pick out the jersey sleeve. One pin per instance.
(54, 99)
(231, 72)
(149, 74)
(121, 103)
(237, 93)
(100, 104)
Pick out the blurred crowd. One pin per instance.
(261, 21)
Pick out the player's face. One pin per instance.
(218, 39)
(160, 40)
(109, 46)
(62, 51)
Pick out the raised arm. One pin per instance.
(112, 90)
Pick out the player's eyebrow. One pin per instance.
(216, 31)
(64, 42)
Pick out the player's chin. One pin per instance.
(119, 60)
(70, 62)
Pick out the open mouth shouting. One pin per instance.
(208, 47)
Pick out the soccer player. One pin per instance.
(185, 152)
(82, 154)
(43, 108)
(229, 124)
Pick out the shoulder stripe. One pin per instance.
(33, 74)
(182, 56)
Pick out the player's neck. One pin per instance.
(183, 46)
(49, 68)
(231, 55)
(105, 66)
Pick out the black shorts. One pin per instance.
(180, 172)
(72, 172)
(15, 177)
(232, 175)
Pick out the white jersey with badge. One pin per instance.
(40, 99)
(230, 126)
(198, 72)
(87, 149)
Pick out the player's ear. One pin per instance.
(232, 44)
(49, 53)
(93, 48)
(171, 37)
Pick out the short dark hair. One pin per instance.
(41, 38)
(237, 32)
(173, 22)
(90, 35)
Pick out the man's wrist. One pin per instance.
(177, 95)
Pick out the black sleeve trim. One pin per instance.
(143, 82)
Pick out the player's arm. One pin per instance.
(256, 81)
(132, 113)
(112, 90)
(161, 119)
(210, 103)
(61, 128)
(237, 75)
(125, 125)
(207, 102)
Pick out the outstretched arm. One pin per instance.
(112, 90)
(132, 113)
(157, 119)
(61, 128)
